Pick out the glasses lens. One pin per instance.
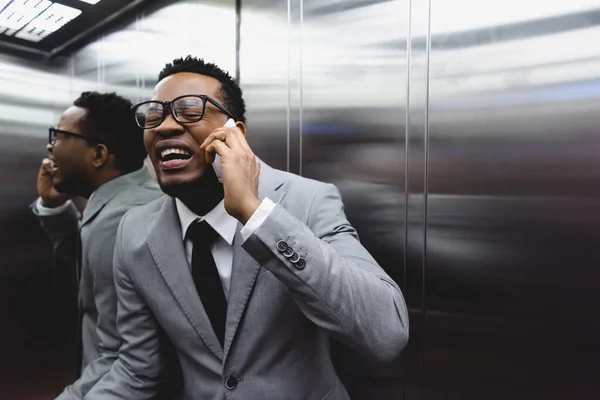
(149, 115)
(189, 109)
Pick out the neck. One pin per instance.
(200, 196)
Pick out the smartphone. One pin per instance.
(217, 163)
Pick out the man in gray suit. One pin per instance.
(288, 267)
(96, 152)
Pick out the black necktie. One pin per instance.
(206, 276)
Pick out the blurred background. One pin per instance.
(462, 134)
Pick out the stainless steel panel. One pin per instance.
(31, 97)
(37, 306)
(266, 57)
(512, 277)
(417, 139)
(327, 101)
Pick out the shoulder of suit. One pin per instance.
(127, 199)
(151, 206)
(138, 194)
(303, 184)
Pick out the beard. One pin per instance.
(200, 195)
(73, 184)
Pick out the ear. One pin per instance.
(100, 155)
(241, 126)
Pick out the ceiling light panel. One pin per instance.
(19, 13)
(49, 21)
(90, 1)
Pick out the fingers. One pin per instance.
(233, 137)
(215, 147)
(47, 166)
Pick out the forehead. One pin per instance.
(185, 83)
(71, 120)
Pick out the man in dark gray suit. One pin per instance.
(247, 269)
(96, 152)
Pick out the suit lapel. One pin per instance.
(93, 208)
(245, 269)
(243, 275)
(167, 249)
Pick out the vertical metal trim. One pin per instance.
(300, 114)
(406, 140)
(71, 74)
(426, 190)
(289, 65)
(238, 25)
(406, 164)
(98, 63)
(138, 83)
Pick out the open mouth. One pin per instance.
(173, 157)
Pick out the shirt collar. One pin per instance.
(224, 224)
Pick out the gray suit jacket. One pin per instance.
(280, 312)
(97, 298)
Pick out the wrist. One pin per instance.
(249, 208)
(48, 203)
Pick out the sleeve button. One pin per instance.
(282, 245)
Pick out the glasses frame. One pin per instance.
(167, 108)
(53, 131)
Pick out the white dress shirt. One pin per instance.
(225, 225)
(47, 211)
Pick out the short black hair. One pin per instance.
(110, 119)
(231, 93)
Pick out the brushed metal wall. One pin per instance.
(326, 87)
(462, 135)
(31, 96)
(512, 272)
(37, 308)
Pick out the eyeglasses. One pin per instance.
(185, 109)
(53, 131)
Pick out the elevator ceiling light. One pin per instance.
(33, 20)
(49, 21)
(47, 28)
(16, 14)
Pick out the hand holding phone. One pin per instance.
(217, 163)
(243, 170)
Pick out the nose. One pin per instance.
(49, 148)
(169, 127)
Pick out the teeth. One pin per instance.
(166, 152)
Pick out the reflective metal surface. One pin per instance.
(462, 135)
(513, 210)
(37, 307)
(326, 86)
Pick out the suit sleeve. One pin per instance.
(333, 279)
(61, 228)
(137, 372)
(100, 256)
